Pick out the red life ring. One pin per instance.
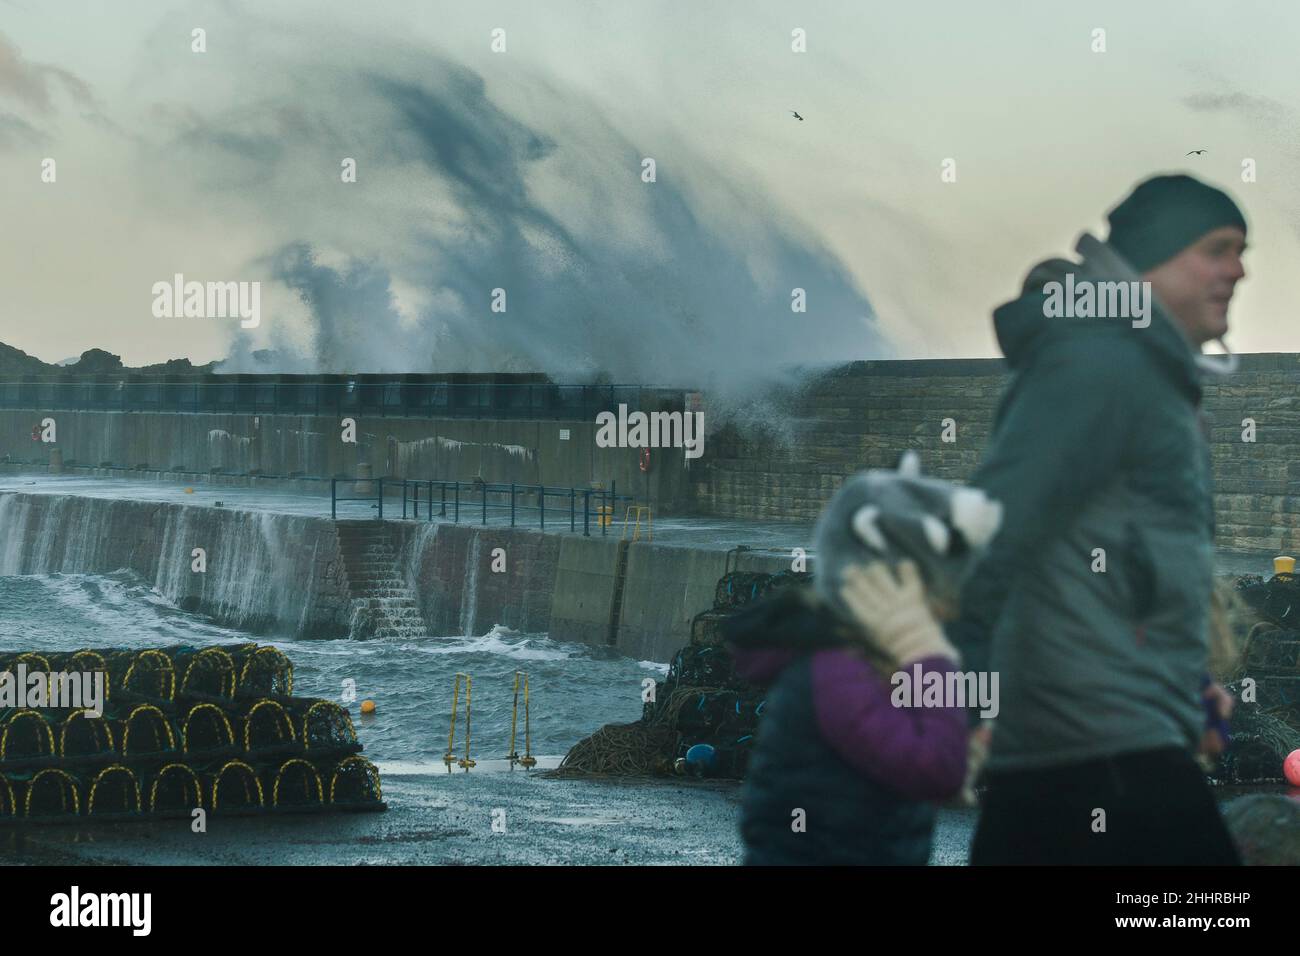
(36, 433)
(645, 459)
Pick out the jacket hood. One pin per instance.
(767, 635)
(761, 666)
(1023, 327)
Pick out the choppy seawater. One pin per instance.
(574, 688)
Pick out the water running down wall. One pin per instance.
(285, 574)
(264, 571)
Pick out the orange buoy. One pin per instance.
(1291, 768)
(367, 707)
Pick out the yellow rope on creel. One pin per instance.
(180, 767)
(99, 778)
(296, 762)
(67, 778)
(41, 722)
(248, 792)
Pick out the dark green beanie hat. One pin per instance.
(1165, 215)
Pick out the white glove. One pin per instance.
(894, 611)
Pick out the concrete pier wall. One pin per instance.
(666, 587)
(285, 574)
(838, 421)
(263, 572)
(451, 568)
(566, 585)
(866, 414)
(552, 453)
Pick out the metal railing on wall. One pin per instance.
(389, 399)
(446, 499)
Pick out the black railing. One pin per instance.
(391, 399)
(443, 500)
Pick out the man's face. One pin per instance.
(1196, 285)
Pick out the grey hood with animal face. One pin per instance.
(889, 515)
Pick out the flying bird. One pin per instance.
(1196, 151)
(797, 116)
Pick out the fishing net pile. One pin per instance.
(1267, 728)
(700, 702)
(182, 728)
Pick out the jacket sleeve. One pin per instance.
(919, 752)
(1062, 435)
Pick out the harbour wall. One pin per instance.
(284, 574)
(865, 414)
(241, 447)
(837, 421)
(262, 572)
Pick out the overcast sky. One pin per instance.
(522, 170)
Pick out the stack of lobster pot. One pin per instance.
(178, 729)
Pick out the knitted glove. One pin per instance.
(893, 611)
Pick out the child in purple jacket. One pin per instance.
(840, 774)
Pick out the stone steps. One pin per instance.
(383, 605)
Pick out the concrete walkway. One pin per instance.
(708, 533)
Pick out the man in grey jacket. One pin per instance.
(1093, 601)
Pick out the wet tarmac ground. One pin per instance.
(434, 818)
(489, 816)
(450, 821)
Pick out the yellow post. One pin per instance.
(512, 755)
(450, 757)
(466, 762)
(528, 760)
